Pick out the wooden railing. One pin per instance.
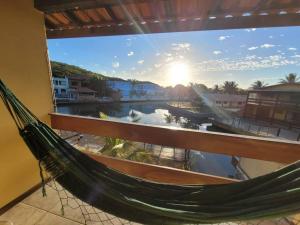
(237, 145)
(159, 173)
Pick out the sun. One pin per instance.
(178, 73)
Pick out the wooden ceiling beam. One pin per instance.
(180, 26)
(49, 6)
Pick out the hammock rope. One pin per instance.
(273, 195)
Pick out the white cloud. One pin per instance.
(115, 64)
(157, 65)
(252, 48)
(157, 54)
(250, 30)
(217, 52)
(168, 59)
(141, 61)
(181, 46)
(222, 38)
(292, 49)
(130, 53)
(267, 46)
(271, 37)
(247, 63)
(295, 56)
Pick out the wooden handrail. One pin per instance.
(158, 173)
(230, 144)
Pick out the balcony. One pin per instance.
(48, 209)
(63, 19)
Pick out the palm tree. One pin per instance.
(258, 84)
(291, 78)
(216, 88)
(230, 87)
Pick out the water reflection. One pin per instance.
(147, 113)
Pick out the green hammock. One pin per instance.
(273, 195)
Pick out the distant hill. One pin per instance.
(60, 69)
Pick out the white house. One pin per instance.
(61, 87)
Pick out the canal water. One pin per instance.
(158, 113)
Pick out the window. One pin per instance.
(225, 102)
(63, 91)
(74, 83)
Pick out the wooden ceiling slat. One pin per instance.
(103, 14)
(92, 13)
(82, 16)
(52, 20)
(61, 18)
(157, 9)
(119, 12)
(228, 4)
(145, 9)
(133, 10)
(248, 4)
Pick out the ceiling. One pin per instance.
(86, 18)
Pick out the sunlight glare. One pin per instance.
(178, 73)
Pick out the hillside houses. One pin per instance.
(72, 89)
(75, 89)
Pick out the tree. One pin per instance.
(230, 87)
(258, 84)
(216, 88)
(291, 78)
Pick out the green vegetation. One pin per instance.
(291, 78)
(258, 84)
(62, 69)
(116, 147)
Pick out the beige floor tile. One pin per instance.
(51, 219)
(46, 203)
(22, 214)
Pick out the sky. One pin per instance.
(208, 57)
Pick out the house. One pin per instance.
(72, 89)
(230, 102)
(61, 88)
(276, 104)
(133, 90)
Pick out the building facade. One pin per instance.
(61, 87)
(277, 104)
(130, 90)
(72, 89)
(229, 102)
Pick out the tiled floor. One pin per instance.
(36, 210)
(39, 210)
